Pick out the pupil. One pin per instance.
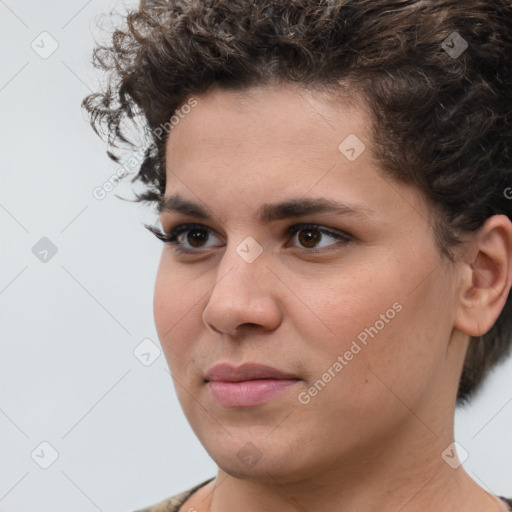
(310, 240)
(197, 236)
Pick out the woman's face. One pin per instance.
(361, 324)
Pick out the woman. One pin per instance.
(333, 183)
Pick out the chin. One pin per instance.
(261, 461)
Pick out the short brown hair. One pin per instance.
(437, 76)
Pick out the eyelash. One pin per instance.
(171, 238)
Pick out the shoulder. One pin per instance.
(174, 503)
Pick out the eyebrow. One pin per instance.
(270, 211)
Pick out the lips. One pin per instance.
(248, 371)
(249, 385)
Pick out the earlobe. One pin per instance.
(486, 277)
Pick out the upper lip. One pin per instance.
(248, 371)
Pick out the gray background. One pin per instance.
(72, 320)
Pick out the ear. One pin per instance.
(486, 277)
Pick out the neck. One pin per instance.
(407, 474)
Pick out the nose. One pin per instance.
(243, 297)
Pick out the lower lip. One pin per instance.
(249, 392)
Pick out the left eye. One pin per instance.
(310, 234)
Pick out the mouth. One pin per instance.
(248, 385)
(248, 393)
(248, 371)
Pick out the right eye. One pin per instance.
(179, 236)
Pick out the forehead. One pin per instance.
(246, 149)
(269, 124)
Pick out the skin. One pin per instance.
(372, 438)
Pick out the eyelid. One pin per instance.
(181, 229)
(335, 233)
(177, 231)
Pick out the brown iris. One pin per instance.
(311, 238)
(196, 236)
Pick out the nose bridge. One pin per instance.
(243, 263)
(242, 292)
(241, 273)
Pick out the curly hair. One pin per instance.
(441, 119)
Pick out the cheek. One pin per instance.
(344, 304)
(389, 333)
(175, 308)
